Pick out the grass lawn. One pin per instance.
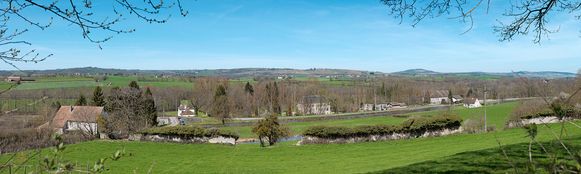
(288, 158)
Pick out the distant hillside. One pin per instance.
(240, 72)
(416, 72)
(274, 72)
(540, 74)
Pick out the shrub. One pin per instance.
(271, 130)
(412, 125)
(190, 131)
(423, 124)
(329, 132)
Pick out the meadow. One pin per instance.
(455, 153)
(82, 82)
(289, 158)
(497, 116)
(149, 81)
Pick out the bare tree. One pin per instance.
(96, 26)
(527, 15)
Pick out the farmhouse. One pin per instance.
(472, 103)
(314, 104)
(77, 118)
(14, 79)
(439, 97)
(186, 111)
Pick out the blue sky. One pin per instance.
(301, 34)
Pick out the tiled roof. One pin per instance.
(76, 113)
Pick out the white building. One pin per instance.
(314, 105)
(472, 103)
(186, 111)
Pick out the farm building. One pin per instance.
(14, 79)
(168, 121)
(396, 105)
(457, 98)
(186, 111)
(77, 118)
(314, 104)
(472, 103)
(375, 107)
(439, 97)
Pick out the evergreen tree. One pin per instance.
(98, 97)
(134, 85)
(220, 107)
(450, 97)
(82, 101)
(150, 108)
(248, 88)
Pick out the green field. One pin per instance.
(490, 160)
(455, 153)
(30, 105)
(121, 81)
(298, 127)
(82, 82)
(496, 114)
(288, 158)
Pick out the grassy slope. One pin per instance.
(492, 160)
(287, 158)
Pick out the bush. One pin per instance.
(423, 124)
(271, 130)
(329, 132)
(412, 125)
(190, 131)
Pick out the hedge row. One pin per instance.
(413, 126)
(190, 131)
(573, 113)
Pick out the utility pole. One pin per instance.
(485, 125)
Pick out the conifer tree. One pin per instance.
(150, 108)
(82, 101)
(98, 97)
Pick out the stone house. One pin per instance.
(77, 118)
(314, 105)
